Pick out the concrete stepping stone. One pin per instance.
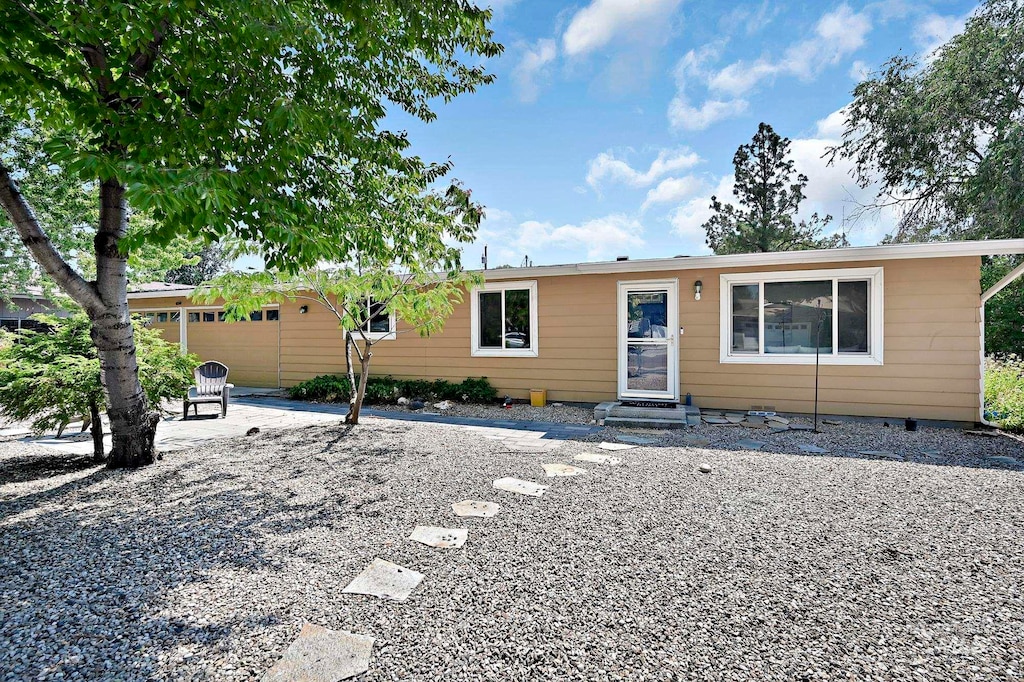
(778, 428)
(644, 432)
(385, 580)
(322, 655)
(755, 419)
(801, 427)
(484, 510)
(1003, 459)
(748, 444)
(931, 453)
(776, 418)
(880, 453)
(754, 425)
(432, 536)
(635, 440)
(735, 418)
(595, 458)
(716, 420)
(615, 446)
(515, 485)
(810, 447)
(553, 470)
(696, 441)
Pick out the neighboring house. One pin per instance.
(898, 330)
(16, 309)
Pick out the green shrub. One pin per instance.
(334, 388)
(1004, 392)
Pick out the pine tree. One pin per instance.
(768, 202)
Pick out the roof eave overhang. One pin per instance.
(991, 247)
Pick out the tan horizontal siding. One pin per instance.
(930, 370)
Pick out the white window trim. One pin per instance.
(876, 321)
(474, 320)
(381, 336)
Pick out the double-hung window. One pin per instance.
(504, 319)
(792, 317)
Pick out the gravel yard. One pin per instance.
(773, 566)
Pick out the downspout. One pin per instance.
(985, 296)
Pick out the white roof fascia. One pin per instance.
(168, 293)
(990, 247)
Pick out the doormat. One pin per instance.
(648, 403)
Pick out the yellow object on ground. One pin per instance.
(538, 397)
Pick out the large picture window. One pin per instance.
(504, 319)
(790, 317)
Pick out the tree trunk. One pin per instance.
(96, 428)
(357, 392)
(132, 426)
(364, 375)
(106, 302)
(353, 411)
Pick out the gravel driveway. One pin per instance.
(773, 566)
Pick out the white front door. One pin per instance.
(648, 353)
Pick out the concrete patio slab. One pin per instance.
(266, 411)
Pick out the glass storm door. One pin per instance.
(648, 325)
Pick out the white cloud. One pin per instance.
(688, 219)
(694, 65)
(682, 115)
(837, 34)
(533, 67)
(603, 22)
(750, 19)
(672, 190)
(833, 125)
(934, 30)
(605, 166)
(859, 71)
(602, 238)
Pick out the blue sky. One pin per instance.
(612, 122)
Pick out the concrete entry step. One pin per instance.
(674, 417)
(640, 423)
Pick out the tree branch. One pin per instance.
(143, 60)
(42, 249)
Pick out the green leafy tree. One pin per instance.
(53, 377)
(261, 120)
(1004, 312)
(68, 207)
(203, 264)
(419, 280)
(62, 202)
(943, 138)
(768, 199)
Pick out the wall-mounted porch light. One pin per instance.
(303, 309)
(697, 286)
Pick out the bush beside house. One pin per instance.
(1004, 392)
(336, 388)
